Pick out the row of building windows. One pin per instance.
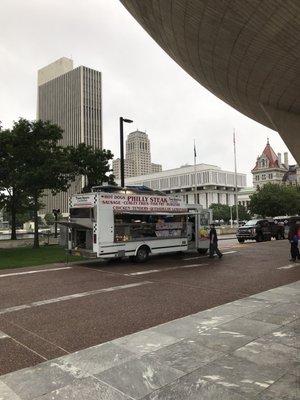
(263, 177)
(182, 181)
(206, 177)
(141, 145)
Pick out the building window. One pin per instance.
(270, 176)
(263, 177)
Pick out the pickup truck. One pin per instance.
(260, 230)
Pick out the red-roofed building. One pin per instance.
(269, 167)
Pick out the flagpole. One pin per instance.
(195, 182)
(235, 180)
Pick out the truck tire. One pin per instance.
(241, 240)
(202, 251)
(142, 254)
(259, 237)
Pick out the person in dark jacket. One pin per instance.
(213, 242)
(293, 239)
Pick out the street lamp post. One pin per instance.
(122, 149)
(56, 212)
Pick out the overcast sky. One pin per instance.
(140, 81)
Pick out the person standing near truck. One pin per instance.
(294, 240)
(213, 242)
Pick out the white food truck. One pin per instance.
(113, 222)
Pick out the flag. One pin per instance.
(195, 153)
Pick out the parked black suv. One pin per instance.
(260, 230)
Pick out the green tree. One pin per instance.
(20, 218)
(273, 200)
(13, 196)
(220, 211)
(49, 218)
(244, 214)
(93, 164)
(43, 163)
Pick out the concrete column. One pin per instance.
(202, 199)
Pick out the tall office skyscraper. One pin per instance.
(138, 157)
(72, 99)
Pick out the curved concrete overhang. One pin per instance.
(246, 52)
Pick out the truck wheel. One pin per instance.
(202, 251)
(142, 254)
(259, 238)
(241, 240)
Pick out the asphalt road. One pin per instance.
(51, 311)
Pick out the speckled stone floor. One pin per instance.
(246, 349)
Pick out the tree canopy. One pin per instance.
(273, 200)
(13, 196)
(222, 212)
(93, 164)
(33, 161)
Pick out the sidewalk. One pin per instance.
(247, 349)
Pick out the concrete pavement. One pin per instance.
(50, 311)
(245, 349)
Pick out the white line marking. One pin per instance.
(288, 266)
(34, 272)
(70, 297)
(205, 256)
(152, 271)
(28, 348)
(3, 336)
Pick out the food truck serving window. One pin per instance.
(133, 227)
(81, 212)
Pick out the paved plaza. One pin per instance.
(246, 349)
(180, 326)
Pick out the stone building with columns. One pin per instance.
(213, 185)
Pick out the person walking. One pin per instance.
(213, 242)
(294, 240)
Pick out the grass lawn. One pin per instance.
(26, 256)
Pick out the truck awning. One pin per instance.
(73, 225)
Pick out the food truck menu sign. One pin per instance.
(141, 203)
(83, 200)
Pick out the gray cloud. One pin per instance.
(139, 81)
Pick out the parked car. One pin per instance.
(260, 230)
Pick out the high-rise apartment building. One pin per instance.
(71, 98)
(138, 157)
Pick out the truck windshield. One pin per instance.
(78, 212)
(252, 222)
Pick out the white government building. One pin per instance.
(213, 185)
